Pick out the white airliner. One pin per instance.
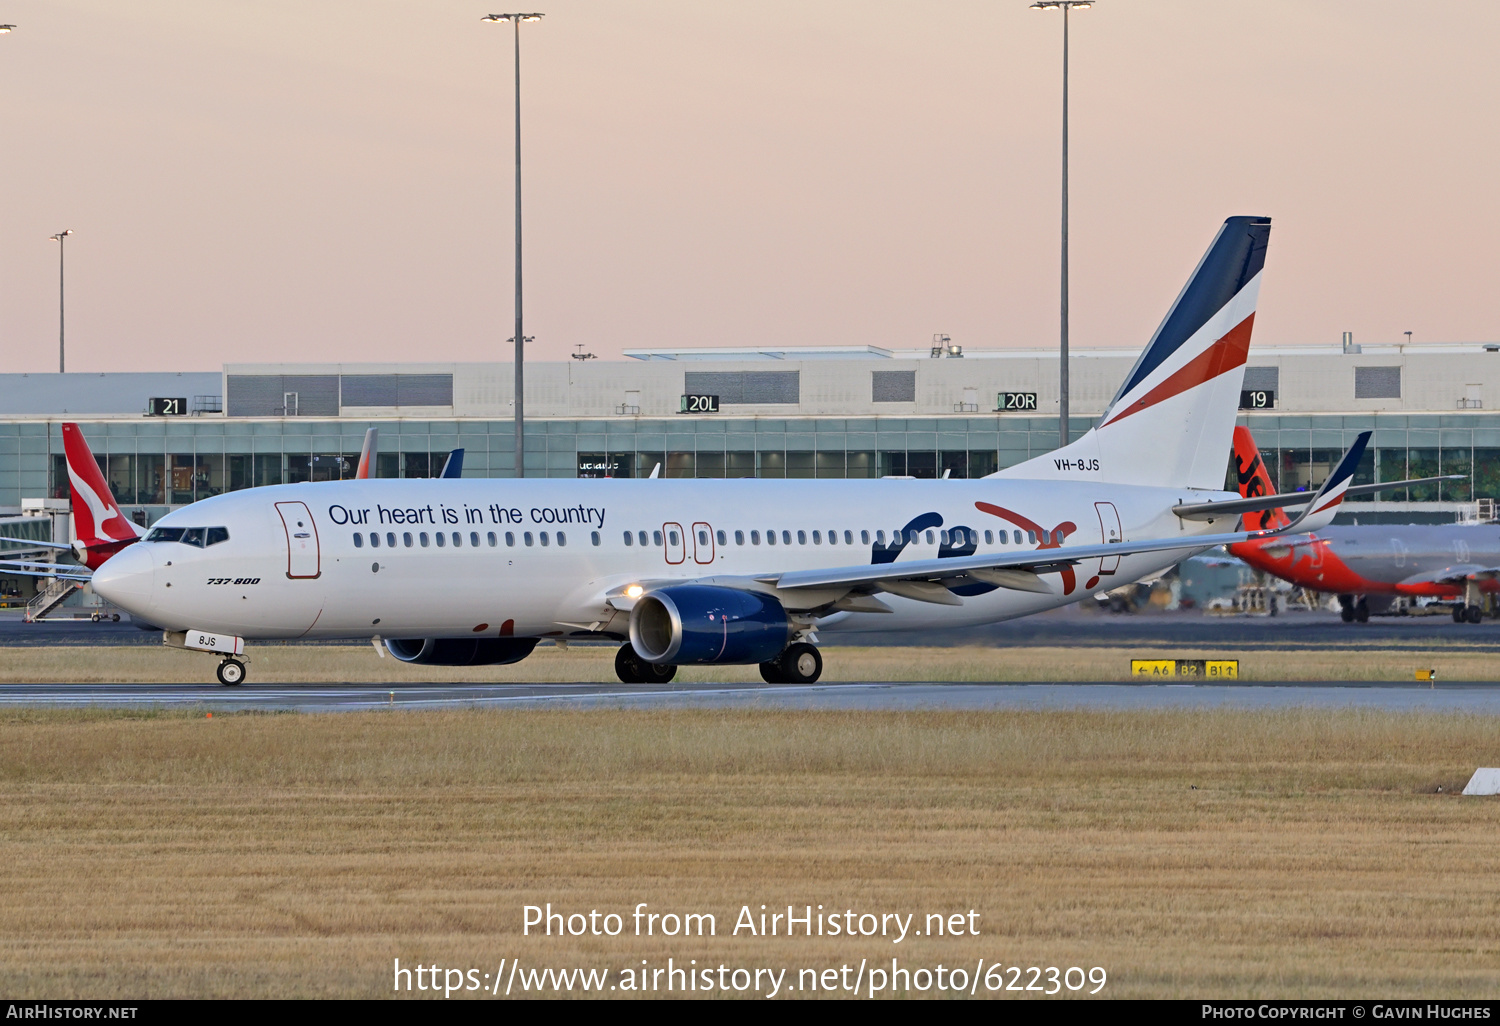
(471, 572)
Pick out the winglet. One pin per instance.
(1324, 505)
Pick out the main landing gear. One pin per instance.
(632, 669)
(1352, 610)
(231, 672)
(798, 664)
(1467, 614)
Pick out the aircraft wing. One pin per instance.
(33, 544)
(1457, 574)
(988, 567)
(1256, 503)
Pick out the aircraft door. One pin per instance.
(1109, 531)
(703, 543)
(302, 560)
(674, 543)
(1398, 552)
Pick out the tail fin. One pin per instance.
(453, 466)
(1255, 481)
(99, 525)
(367, 454)
(1171, 421)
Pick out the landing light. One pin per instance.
(635, 591)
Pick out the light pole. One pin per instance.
(520, 336)
(1062, 395)
(60, 238)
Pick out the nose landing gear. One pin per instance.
(231, 672)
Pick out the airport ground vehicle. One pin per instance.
(730, 571)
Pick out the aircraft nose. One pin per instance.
(127, 578)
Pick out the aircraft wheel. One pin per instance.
(628, 666)
(1346, 614)
(231, 672)
(116, 618)
(801, 664)
(771, 673)
(1362, 611)
(658, 673)
(1474, 614)
(1458, 614)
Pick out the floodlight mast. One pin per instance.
(1062, 394)
(520, 336)
(60, 238)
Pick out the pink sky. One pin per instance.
(282, 180)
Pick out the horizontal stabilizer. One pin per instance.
(1215, 510)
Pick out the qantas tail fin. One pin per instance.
(99, 525)
(1255, 481)
(1171, 421)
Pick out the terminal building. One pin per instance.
(168, 439)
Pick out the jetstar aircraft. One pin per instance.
(1371, 563)
(694, 572)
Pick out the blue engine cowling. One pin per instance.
(460, 651)
(690, 624)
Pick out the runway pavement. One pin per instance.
(1477, 698)
(1069, 627)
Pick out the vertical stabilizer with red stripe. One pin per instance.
(1171, 421)
(99, 525)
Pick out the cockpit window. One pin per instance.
(199, 536)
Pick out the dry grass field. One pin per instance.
(280, 664)
(1290, 854)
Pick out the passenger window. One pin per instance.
(544, 538)
(359, 540)
(655, 537)
(1059, 536)
(817, 537)
(673, 536)
(510, 538)
(942, 537)
(562, 539)
(989, 537)
(723, 538)
(474, 539)
(491, 537)
(754, 537)
(641, 536)
(833, 537)
(739, 537)
(216, 535)
(929, 538)
(864, 538)
(594, 537)
(1031, 537)
(703, 538)
(374, 540)
(458, 540)
(786, 537)
(879, 537)
(629, 538)
(390, 539)
(406, 537)
(423, 539)
(849, 538)
(526, 537)
(770, 537)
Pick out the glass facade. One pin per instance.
(151, 463)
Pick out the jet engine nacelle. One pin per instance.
(690, 624)
(460, 651)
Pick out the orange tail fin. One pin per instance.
(1250, 470)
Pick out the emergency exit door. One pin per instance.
(1109, 533)
(303, 560)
